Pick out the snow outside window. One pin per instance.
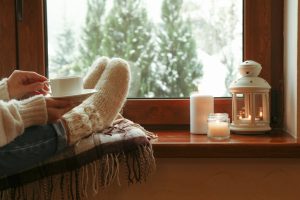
(171, 45)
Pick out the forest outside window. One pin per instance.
(172, 47)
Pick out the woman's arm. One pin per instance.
(23, 84)
(16, 115)
(3, 90)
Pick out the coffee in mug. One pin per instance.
(66, 86)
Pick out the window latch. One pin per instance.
(19, 9)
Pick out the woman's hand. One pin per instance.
(57, 108)
(22, 84)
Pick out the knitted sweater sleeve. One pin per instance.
(15, 115)
(3, 90)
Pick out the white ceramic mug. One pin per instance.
(66, 86)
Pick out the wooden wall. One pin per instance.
(215, 179)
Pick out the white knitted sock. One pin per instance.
(99, 110)
(96, 70)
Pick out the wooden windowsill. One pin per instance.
(182, 144)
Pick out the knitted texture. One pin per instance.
(33, 111)
(15, 116)
(95, 72)
(81, 122)
(4, 95)
(99, 110)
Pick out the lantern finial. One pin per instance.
(250, 68)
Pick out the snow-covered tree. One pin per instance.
(222, 32)
(229, 57)
(64, 52)
(91, 37)
(127, 34)
(177, 61)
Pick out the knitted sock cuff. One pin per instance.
(80, 122)
(33, 111)
(4, 95)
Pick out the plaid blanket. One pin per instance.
(94, 161)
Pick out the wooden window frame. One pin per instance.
(263, 42)
(22, 33)
(8, 52)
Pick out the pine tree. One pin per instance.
(127, 34)
(228, 54)
(92, 35)
(177, 59)
(221, 34)
(61, 63)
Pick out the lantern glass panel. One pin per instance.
(258, 107)
(240, 106)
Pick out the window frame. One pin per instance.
(263, 42)
(8, 38)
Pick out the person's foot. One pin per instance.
(99, 110)
(95, 72)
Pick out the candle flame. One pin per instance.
(260, 114)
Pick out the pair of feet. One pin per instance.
(110, 77)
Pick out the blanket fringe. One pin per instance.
(99, 174)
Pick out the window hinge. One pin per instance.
(19, 9)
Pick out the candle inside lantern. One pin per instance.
(245, 118)
(249, 118)
(200, 107)
(218, 126)
(260, 114)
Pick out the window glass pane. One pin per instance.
(171, 45)
(240, 106)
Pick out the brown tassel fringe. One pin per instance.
(98, 174)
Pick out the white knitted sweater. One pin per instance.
(15, 115)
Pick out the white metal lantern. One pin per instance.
(250, 100)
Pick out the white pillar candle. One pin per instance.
(200, 107)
